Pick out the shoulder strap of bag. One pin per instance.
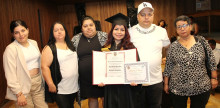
(206, 55)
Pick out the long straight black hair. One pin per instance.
(52, 40)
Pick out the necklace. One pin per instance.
(145, 32)
(89, 39)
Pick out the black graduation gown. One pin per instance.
(118, 96)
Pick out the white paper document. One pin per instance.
(137, 72)
(118, 67)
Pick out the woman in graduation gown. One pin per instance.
(118, 96)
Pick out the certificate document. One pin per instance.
(109, 67)
(137, 72)
(115, 64)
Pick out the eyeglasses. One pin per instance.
(182, 26)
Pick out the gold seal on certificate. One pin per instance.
(109, 67)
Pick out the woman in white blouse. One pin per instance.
(60, 67)
(21, 61)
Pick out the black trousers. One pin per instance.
(65, 100)
(197, 101)
(152, 95)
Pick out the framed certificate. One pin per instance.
(109, 67)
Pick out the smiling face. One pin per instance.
(183, 28)
(145, 17)
(21, 34)
(88, 28)
(59, 32)
(118, 32)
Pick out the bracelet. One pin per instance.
(215, 78)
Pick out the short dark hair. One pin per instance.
(182, 18)
(212, 41)
(87, 18)
(16, 23)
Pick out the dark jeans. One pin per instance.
(152, 95)
(197, 101)
(65, 100)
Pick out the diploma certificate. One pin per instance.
(109, 67)
(137, 72)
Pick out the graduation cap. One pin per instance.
(118, 19)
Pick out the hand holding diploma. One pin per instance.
(119, 67)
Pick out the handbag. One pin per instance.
(206, 56)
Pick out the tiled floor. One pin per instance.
(214, 102)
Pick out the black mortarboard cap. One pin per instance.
(118, 19)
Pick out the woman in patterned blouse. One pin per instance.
(185, 73)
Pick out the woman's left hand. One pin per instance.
(214, 83)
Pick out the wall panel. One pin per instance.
(185, 7)
(104, 9)
(100, 10)
(67, 15)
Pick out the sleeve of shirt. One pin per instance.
(76, 39)
(9, 64)
(169, 63)
(103, 36)
(218, 57)
(166, 40)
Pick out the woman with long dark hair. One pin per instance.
(60, 67)
(118, 96)
(123, 43)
